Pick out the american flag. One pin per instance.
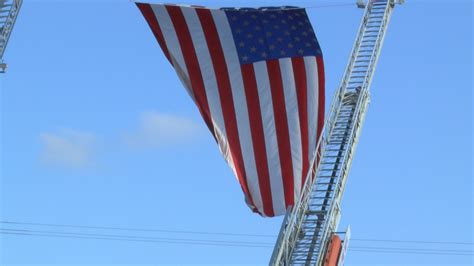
(257, 78)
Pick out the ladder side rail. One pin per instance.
(307, 187)
(9, 22)
(378, 45)
(365, 91)
(341, 92)
(300, 207)
(344, 171)
(281, 233)
(353, 57)
(374, 61)
(5, 8)
(358, 120)
(297, 211)
(348, 157)
(291, 228)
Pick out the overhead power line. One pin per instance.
(407, 252)
(135, 240)
(26, 231)
(412, 241)
(196, 241)
(233, 242)
(137, 229)
(220, 233)
(417, 249)
(199, 242)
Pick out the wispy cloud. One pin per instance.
(67, 148)
(158, 130)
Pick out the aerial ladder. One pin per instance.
(9, 10)
(309, 235)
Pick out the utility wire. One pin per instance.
(135, 240)
(129, 236)
(406, 252)
(199, 241)
(136, 229)
(220, 233)
(412, 241)
(417, 249)
(355, 249)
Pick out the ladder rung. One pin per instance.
(376, 22)
(315, 205)
(327, 170)
(328, 163)
(340, 135)
(324, 190)
(339, 138)
(316, 212)
(309, 235)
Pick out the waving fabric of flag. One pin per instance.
(257, 78)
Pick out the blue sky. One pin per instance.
(97, 130)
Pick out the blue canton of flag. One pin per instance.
(271, 33)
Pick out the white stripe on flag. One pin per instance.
(240, 104)
(208, 76)
(271, 144)
(172, 43)
(294, 130)
(312, 83)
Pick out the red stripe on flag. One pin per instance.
(302, 95)
(258, 138)
(281, 125)
(191, 61)
(225, 93)
(321, 100)
(150, 18)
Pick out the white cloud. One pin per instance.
(158, 129)
(67, 148)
